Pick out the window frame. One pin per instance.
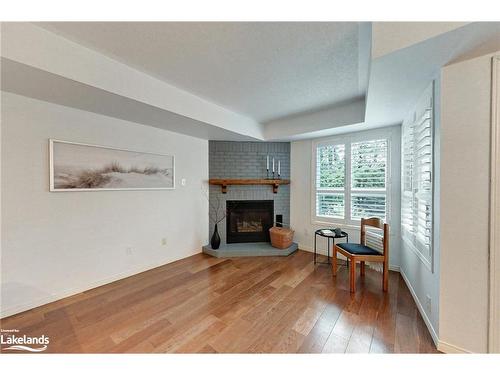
(347, 140)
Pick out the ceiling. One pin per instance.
(264, 70)
(238, 81)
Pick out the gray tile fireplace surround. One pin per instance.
(247, 160)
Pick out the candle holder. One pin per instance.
(267, 173)
(273, 175)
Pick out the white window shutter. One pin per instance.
(407, 163)
(417, 179)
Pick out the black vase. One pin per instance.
(215, 240)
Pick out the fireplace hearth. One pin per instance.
(249, 220)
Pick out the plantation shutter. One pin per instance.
(368, 179)
(423, 180)
(330, 181)
(417, 160)
(407, 178)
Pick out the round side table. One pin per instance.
(329, 236)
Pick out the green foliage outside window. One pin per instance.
(368, 164)
(331, 164)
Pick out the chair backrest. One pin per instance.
(375, 222)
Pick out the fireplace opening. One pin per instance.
(249, 221)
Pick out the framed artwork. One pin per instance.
(84, 167)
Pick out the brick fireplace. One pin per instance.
(248, 160)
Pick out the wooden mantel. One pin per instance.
(224, 182)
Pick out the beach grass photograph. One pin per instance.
(77, 166)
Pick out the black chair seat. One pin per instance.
(358, 249)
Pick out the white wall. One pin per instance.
(58, 244)
(465, 145)
(422, 281)
(300, 198)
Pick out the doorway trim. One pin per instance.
(494, 308)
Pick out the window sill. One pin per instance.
(334, 224)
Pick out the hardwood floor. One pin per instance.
(240, 305)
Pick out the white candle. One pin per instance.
(273, 165)
(267, 162)
(279, 167)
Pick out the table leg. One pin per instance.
(314, 248)
(328, 251)
(334, 260)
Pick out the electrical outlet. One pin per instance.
(183, 182)
(428, 303)
(129, 250)
(164, 242)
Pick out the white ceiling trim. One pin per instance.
(36, 47)
(26, 80)
(318, 122)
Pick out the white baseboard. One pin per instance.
(310, 250)
(440, 345)
(12, 310)
(420, 308)
(451, 349)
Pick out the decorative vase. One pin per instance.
(215, 240)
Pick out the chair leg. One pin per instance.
(352, 275)
(334, 261)
(385, 278)
(362, 268)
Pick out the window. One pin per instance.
(368, 178)
(330, 181)
(351, 179)
(417, 168)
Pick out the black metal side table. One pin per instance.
(328, 236)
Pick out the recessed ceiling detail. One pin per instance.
(230, 80)
(264, 70)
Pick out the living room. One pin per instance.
(250, 187)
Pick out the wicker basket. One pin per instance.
(281, 238)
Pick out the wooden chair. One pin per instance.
(362, 253)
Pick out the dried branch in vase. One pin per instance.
(216, 213)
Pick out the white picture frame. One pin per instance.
(75, 166)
